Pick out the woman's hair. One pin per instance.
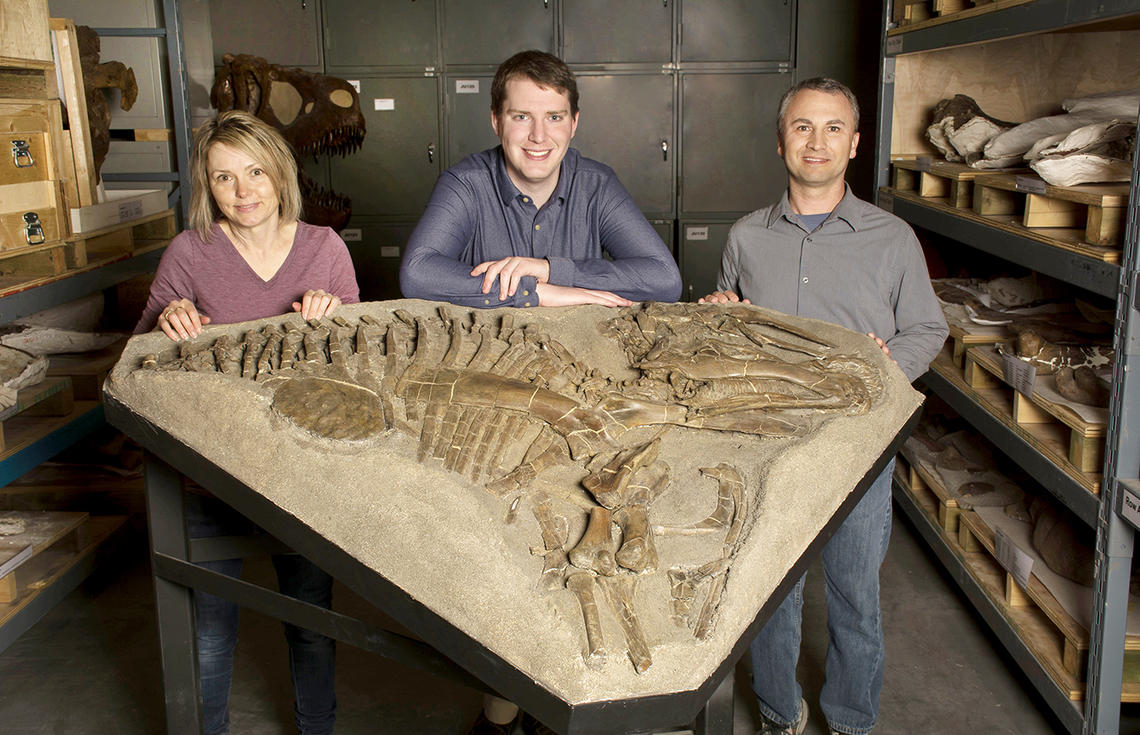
(258, 140)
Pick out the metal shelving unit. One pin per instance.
(1118, 503)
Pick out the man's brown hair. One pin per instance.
(545, 70)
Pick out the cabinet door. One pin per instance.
(394, 33)
(394, 172)
(728, 141)
(376, 249)
(488, 33)
(626, 122)
(604, 31)
(284, 32)
(468, 112)
(701, 246)
(737, 30)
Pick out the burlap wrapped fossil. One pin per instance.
(559, 484)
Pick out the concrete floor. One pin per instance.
(91, 666)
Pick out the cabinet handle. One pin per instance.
(304, 4)
(664, 150)
(546, 4)
(431, 152)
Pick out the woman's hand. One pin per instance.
(315, 304)
(180, 320)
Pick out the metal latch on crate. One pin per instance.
(33, 230)
(21, 154)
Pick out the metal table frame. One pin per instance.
(708, 710)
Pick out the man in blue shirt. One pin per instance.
(532, 222)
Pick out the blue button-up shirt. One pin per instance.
(477, 214)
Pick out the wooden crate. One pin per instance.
(24, 33)
(31, 203)
(1052, 439)
(946, 181)
(1059, 641)
(1094, 212)
(87, 370)
(81, 160)
(43, 530)
(938, 502)
(916, 14)
(51, 397)
(1085, 440)
(962, 339)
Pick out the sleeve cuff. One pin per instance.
(526, 294)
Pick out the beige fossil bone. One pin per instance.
(555, 533)
(595, 550)
(582, 585)
(620, 591)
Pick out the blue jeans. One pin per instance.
(854, 676)
(312, 656)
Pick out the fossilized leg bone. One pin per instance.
(608, 484)
(555, 534)
(595, 551)
(582, 585)
(620, 592)
(638, 552)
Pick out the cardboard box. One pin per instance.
(120, 207)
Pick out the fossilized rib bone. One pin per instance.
(582, 585)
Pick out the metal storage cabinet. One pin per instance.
(728, 141)
(243, 28)
(608, 32)
(737, 31)
(702, 243)
(376, 248)
(483, 34)
(626, 122)
(467, 110)
(394, 172)
(399, 34)
(900, 117)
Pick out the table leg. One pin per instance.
(174, 603)
(716, 717)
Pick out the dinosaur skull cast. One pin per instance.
(317, 114)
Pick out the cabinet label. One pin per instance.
(696, 233)
(389, 251)
(886, 201)
(351, 234)
(467, 86)
(355, 84)
(386, 103)
(1130, 507)
(1013, 560)
(894, 44)
(1030, 185)
(1019, 373)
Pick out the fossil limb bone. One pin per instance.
(620, 592)
(555, 534)
(608, 484)
(638, 553)
(595, 550)
(582, 585)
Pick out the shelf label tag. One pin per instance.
(1019, 373)
(1013, 560)
(389, 251)
(1130, 507)
(894, 44)
(696, 233)
(351, 234)
(467, 86)
(886, 201)
(1030, 185)
(383, 103)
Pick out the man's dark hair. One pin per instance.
(543, 69)
(819, 84)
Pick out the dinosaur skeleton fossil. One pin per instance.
(500, 402)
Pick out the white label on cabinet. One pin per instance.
(389, 251)
(1019, 373)
(355, 84)
(696, 233)
(1014, 560)
(894, 44)
(467, 86)
(1130, 507)
(886, 201)
(352, 234)
(386, 103)
(1030, 185)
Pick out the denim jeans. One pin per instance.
(854, 669)
(312, 656)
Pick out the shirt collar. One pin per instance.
(508, 192)
(847, 210)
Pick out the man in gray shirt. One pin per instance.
(821, 252)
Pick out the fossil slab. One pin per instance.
(602, 499)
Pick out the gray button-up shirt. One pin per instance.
(477, 214)
(862, 269)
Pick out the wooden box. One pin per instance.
(30, 200)
(120, 206)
